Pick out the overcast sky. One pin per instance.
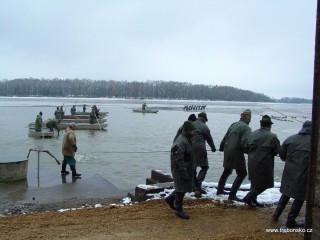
(258, 45)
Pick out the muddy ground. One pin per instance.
(209, 219)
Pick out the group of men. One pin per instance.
(189, 152)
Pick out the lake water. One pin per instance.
(133, 143)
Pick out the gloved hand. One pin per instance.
(185, 177)
(75, 148)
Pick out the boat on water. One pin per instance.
(85, 126)
(80, 117)
(45, 133)
(81, 126)
(80, 120)
(88, 113)
(140, 110)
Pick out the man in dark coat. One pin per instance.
(234, 145)
(57, 114)
(295, 151)
(53, 124)
(191, 118)
(73, 110)
(182, 169)
(201, 136)
(263, 147)
(38, 123)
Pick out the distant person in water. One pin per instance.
(38, 123)
(84, 108)
(144, 105)
(61, 112)
(73, 110)
(57, 114)
(53, 124)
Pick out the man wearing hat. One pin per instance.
(69, 148)
(295, 151)
(234, 145)
(182, 169)
(201, 136)
(263, 147)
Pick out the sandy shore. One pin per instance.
(210, 219)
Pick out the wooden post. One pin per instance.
(313, 195)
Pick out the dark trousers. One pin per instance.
(294, 211)
(73, 169)
(241, 175)
(201, 176)
(178, 198)
(254, 192)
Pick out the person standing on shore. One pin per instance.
(263, 147)
(38, 123)
(69, 148)
(201, 136)
(182, 169)
(234, 145)
(295, 151)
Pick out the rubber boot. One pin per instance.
(248, 199)
(234, 189)
(63, 169)
(74, 172)
(283, 201)
(223, 180)
(170, 200)
(294, 212)
(179, 203)
(200, 178)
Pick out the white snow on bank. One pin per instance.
(269, 197)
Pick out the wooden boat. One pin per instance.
(79, 117)
(45, 133)
(81, 120)
(88, 113)
(140, 110)
(85, 126)
(81, 126)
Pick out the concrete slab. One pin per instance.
(51, 187)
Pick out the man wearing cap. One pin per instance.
(38, 123)
(57, 114)
(201, 136)
(295, 151)
(182, 169)
(191, 118)
(263, 147)
(69, 148)
(234, 145)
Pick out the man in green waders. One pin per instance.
(38, 123)
(69, 148)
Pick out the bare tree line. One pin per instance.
(125, 89)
